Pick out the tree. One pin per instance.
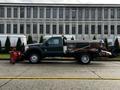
(94, 38)
(0, 46)
(7, 45)
(29, 41)
(19, 44)
(106, 43)
(116, 44)
(41, 39)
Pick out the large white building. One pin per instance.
(82, 20)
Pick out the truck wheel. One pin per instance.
(34, 58)
(85, 59)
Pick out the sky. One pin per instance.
(64, 1)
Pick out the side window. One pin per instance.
(54, 42)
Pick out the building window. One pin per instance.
(28, 28)
(73, 29)
(118, 13)
(74, 13)
(67, 13)
(106, 13)
(93, 13)
(28, 12)
(54, 29)
(86, 29)
(48, 12)
(14, 28)
(86, 13)
(54, 12)
(47, 29)
(21, 28)
(60, 12)
(92, 29)
(105, 29)
(8, 28)
(118, 29)
(112, 13)
(41, 29)
(99, 29)
(67, 29)
(60, 29)
(2, 12)
(22, 12)
(99, 14)
(1, 28)
(112, 29)
(34, 28)
(79, 29)
(9, 12)
(35, 12)
(15, 11)
(79, 14)
(41, 12)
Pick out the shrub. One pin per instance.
(41, 39)
(106, 43)
(116, 44)
(29, 41)
(19, 44)
(94, 38)
(7, 45)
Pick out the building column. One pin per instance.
(57, 28)
(11, 28)
(83, 30)
(18, 12)
(89, 32)
(96, 30)
(5, 27)
(5, 12)
(38, 35)
(102, 31)
(109, 23)
(38, 14)
(116, 28)
(63, 28)
(44, 28)
(70, 28)
(18, 27)
(25, 12)
(50, 28)
(25, 28)
(96, 16)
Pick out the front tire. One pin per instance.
(85, 59)
(34, 58)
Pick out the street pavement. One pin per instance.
(60, 75)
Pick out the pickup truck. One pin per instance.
(82, 51)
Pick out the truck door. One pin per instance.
(54, 47)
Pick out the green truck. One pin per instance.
(82, 51)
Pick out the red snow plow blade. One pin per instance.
(15, 56)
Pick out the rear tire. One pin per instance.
(85, 59)
(34, 58)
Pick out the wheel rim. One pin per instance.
(85, 59)
(34, 58)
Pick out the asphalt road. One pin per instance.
(60, 75)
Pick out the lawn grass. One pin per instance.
(4, 56)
